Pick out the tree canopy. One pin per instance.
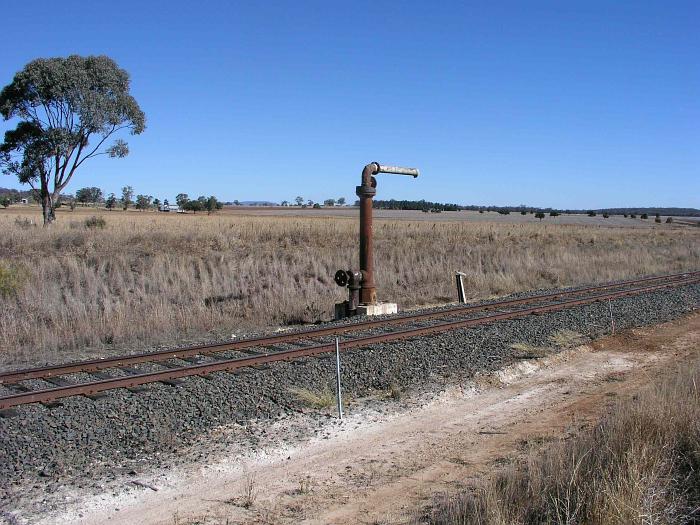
(67, 109)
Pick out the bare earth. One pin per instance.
(385, 468)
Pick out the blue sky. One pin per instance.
(565, 104)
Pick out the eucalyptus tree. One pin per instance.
(67, 109)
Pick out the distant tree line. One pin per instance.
(423, 205)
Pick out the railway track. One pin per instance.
(48, 384)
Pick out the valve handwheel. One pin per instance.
(341, 278)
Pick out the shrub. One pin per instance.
(554, 214)
(539, 215)
(95, 223)
(523, 212)
(633, 216)
(24, 223)
(591, 213)
(605, 216)
(657, 220)
(12, 278)
(669, 220)
(644, 216)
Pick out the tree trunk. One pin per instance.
(47, 206)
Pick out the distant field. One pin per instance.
(151, 277)
(404, 215)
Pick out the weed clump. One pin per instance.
(95, 223)
(13, 277)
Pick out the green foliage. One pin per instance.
(68, 108)
(127, 196)
(91, 195)
(143, 202)
(12, 278)
(539, 215)
(329, 203)
(193, 205)
(341, 201)
(554, 214)
(522, 212)
(212, 204)
(95, 223)
(111, 201)
(316, 206)
(419, 205)
(299, 200)
(644, 216)
(5, 202)
(591, 213)
(182, 199)
(605, 215)
(669, 220)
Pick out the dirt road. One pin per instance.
(384, 468)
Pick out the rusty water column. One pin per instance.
(366, 192)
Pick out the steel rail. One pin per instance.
(242, 344)
(93, 387)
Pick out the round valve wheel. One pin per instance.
(341, 278)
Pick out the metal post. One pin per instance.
(460, 287)
(368, 292)
(612, 320)
(338, 391)
(366, 192)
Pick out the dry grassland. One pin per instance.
(640, 465)
(148, 278)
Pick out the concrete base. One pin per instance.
(366, 309)
(377, 309)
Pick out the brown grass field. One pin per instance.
(146, 277)
(639, 465)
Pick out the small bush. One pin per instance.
(633, 216)
(657, 220)
(12, 279)
(644, 216)
(24, 223)
(95, 223)
(669, 220)
(605, 216)
(323, 399)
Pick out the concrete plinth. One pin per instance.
(366, 309)
(377, 309)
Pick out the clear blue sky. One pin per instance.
(563, 104)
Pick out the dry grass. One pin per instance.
(322, 399)
(641, 464)
(157, 278)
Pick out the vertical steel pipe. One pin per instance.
(366, 192)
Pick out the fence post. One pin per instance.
(460, 287)
(338, 390)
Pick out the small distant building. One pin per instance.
(170, 207)
(24, 201)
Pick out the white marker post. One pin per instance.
(338, 391)
(612, 319)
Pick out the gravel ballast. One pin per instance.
(85, 443)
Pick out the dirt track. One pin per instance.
(385, 468)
